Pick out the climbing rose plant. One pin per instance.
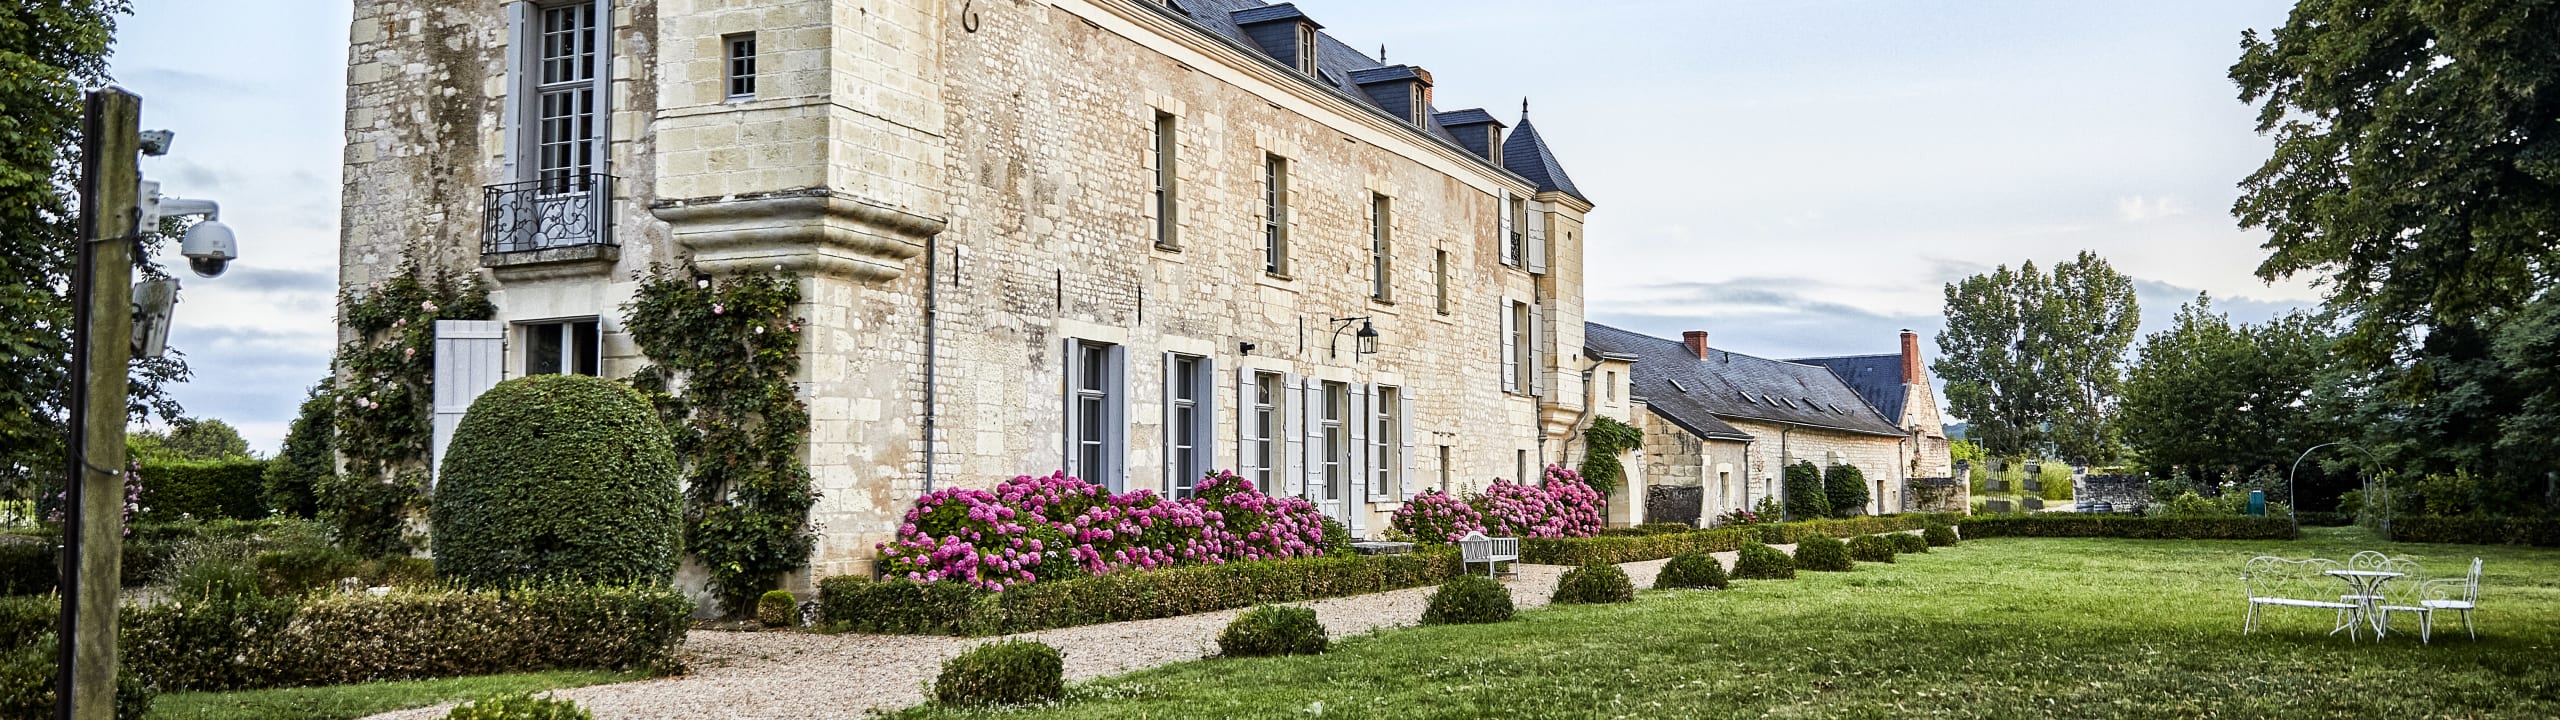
(385, 406)
(722, 355)
(1054, 526)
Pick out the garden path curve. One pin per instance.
(753, 675)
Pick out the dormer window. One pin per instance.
(1421, 106)
(1306, 48)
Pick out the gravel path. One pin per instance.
(745, 675)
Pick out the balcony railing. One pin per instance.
(554, 212)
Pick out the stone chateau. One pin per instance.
(1135, 239)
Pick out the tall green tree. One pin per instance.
(2416, 169)
(2034, 362)
(2222, 400)
(49, 51)
(189, 439)
(309, 457)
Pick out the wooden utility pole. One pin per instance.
(101, 347)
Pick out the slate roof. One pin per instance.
(1878, 378)
(1336, 62)
(1469, 116)
(1700, 395)
(1527, 154)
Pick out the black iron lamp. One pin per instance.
(1363, 342)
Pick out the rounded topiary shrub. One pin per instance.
(561, 477)
(1938, 535)
(1871, 548)
(1273, 630)
(519, 707)
(1904, 542)
(1468, 599)
(1595, 583)
(1761, 562)
(1010, 672)
(1695, 570)
(777, 608)
(1823, 553)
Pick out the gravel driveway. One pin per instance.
(748, 675)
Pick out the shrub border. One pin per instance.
(2116, 526)
(904, 607)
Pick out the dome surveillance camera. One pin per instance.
(209, 248)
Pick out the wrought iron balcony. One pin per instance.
(554, 212)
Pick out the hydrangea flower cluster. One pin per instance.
(1438, 517)
(1578, 507)
(1032, 527)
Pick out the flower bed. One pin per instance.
(901, 606)
(1561, 506)
(1056, 527)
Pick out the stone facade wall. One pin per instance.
(885, 139)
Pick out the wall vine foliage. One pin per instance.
(385, 406)
(723, 353)
(1602, 442)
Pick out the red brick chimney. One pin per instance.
(1911, 359)
(1697, 342)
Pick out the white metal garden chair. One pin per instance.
(2435, 595)
(2275, 581)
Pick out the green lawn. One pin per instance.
(1996, 628)
(353, 701)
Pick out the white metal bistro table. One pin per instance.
(2367, 591)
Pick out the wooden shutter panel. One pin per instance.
(1503, 240)
(1537, 241)
(1404, 426)
(522, 42)
(1290, 477)
(1246, 463)
(1115, 436)
(1510, 347)
(604, 98)
(471, 357)
(1362, 425)
(1311, 464)
(1537, 352)
(1165, 430)
(1204, 416)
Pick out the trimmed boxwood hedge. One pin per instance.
(1273, 630)
(2325, 519)
(1871, 548)
(1595, 584)
(900, 606)
(1939, 535)
(1638, 547)
(1007, 672)
(2537, 532)
(558, 477)
(1823, 553)
(1692, 570)
(2121, 526)
(1468, 599)
(1907, 543)
(204, 490)
(1761, 562)
(28, 563)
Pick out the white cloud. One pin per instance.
(2136, 208)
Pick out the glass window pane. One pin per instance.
(542, 349)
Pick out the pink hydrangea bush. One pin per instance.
(1580, 510)
(1261, 527)
(1437, 517)
(1561, 506)
(970, 536)
(1051, 526)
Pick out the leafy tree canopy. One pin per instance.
(2032, 361)
(189, 439)
(2223, 399)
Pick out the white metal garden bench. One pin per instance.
(1476, 548)
(2278, 582)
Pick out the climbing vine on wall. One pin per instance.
(385, 404)
(1602, 442)
(723, 352)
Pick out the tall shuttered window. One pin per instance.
(1190, 409)
(565, 99)
(1336, 431)
(1097, 436)
(1307, 48)
(1275, 215)
(1167, 192)
(1519, 247)
(1266, 444)
(1386, 465)
(1381, 247)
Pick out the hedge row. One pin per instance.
(2123, 526)
(204, 490)
(28, 564)
(900, 606)
(1635, 547)
(2325, 519)
(2537, 532)
(252, 642)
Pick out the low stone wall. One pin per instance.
(2124, 492)
(1673, 503)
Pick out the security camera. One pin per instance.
(155, 143)
(209, 248)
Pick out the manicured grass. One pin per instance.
(338, 702)
(1995, 628)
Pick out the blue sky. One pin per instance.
(1798, 178)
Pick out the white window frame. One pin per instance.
(1390, 450)
(1096, 422)
(1275, 215)
(1307, 48)
(1333, 419)
(577, 346)
(740, 65)
(1381, 248)
(1168, 162)
(1262, 405)
(1190, 407)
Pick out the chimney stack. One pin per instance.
(1697, 342)
(1911, 358)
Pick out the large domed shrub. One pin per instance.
(1594, 584)
(1468, 599)
(1871, 548)
(1005, 672)
(561, 477)
(1761, 562)
(1823, 553)
(1908, 543)
(1273, 630)
(1691, 570)
(1938, 535)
